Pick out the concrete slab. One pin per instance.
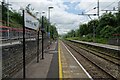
(70, 68)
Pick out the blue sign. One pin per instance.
(48, 34)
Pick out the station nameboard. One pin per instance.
(30, 21)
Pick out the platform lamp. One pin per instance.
(43, 31)
(48, 31)
(49, 8)
(38, 33)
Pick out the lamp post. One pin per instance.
(49, 8)
(48, 31)
(42, 30)
(38, 39)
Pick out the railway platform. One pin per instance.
(58, 63)
(107, 46)
(69, 66)
(46, 68)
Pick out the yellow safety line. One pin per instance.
(60, 64)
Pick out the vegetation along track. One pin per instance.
(108, 67)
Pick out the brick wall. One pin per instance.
(12, 57)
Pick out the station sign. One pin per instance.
(30, 21)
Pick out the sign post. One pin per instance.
(24, 76)
(38, 45)
(42, 30)
(31, 22)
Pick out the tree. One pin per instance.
(118, 18)
(117, 30)
(92, 25)
(4, 13)
(53, 32)
(106, 19)
(29, 9)
(107, 31)
(77, 33)
(83, 29)
(105, 27)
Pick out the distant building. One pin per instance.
(119, 6)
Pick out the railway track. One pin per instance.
(99, 65)
(103, 55)
(111, 52)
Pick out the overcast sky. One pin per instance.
(65, 12)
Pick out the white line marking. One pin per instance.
(7, 44)
(78, 62)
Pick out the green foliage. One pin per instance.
(92, 25)
(98, 30)
(106, 19)
(117, 30)
(52, 28)
(117, 18)
(71, 33)
(83, 29)
(15, 19)
(53, 32)
(4, 13)
(107, 31)
(46, 23)
(98, 40)
(77, 33)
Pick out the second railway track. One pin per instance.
(106, 56)
(110, 68)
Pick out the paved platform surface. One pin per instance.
(46, 68)
(69, 66)
(100, 45)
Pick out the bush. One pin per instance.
(107, 32)
(89, 36)
(117, 30)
